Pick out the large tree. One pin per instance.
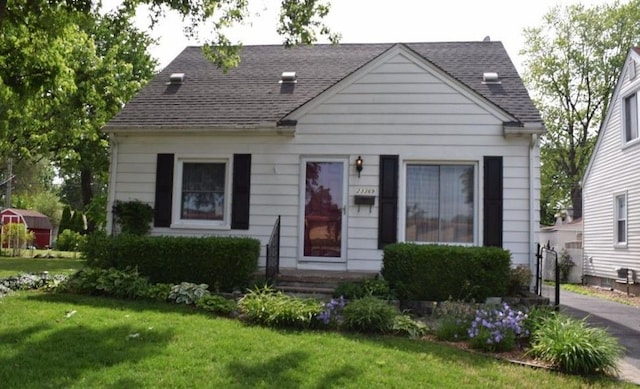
(572, 63)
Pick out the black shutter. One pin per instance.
(241, 191)
(164, 190)
(493, 201)
(388, 209)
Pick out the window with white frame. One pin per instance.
(440, 203)
(621, 219)
(203, 191)
(631, 117)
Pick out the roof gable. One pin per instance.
(33, 219)
(633, 59)
(250, 95)
(402, 53)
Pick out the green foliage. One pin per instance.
(574, 347)
(266, 306)
(352, 290)
(453, 320)
(127, 283)
(496, 328)
(370, 315)
(519, 280)
(573, 61)
(224, 263)
(16, 237)
(217, 304)
(69, 241)
(133, 216)
(565, 264)
(156, 292)
(188, 293)
(65, 220)
(405, 325)
(437, 273)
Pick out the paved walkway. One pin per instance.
(622, 321)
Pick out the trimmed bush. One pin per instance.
(223, 263)
(438, 273)
(574, 347)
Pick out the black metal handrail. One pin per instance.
(273, 252)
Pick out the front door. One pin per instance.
(324, 193)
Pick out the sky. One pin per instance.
(383, 21)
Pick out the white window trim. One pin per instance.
(177, 221)
(616, 196)
(623, 116)
(402, 199)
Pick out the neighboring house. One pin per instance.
(34, 221)
(356, 146)
(611, 187)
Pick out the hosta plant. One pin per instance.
(188, 292)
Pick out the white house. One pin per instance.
(355, 146)
(611, 187)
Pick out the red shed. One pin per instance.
(36, 222)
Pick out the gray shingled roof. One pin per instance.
(249, 95)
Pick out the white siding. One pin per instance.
(397, 107)
(615, 169)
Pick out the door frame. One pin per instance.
(302, 259)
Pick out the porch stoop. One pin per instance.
(315, 283)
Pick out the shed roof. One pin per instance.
(33, 219)
(250, 95)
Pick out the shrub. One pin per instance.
(69, 241)
(565, 264)
(188, 292)
(133, 216)
(216, 304)
(370, 315)
(496, 329)
(223, 263)
(437, 273)
(266, 306)
(353, 290)
(574, 347)
(519, 280)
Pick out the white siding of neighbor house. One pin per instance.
(614, 169)
(395, 107)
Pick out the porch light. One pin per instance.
(359, 165)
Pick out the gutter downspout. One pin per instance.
(113, 175)
(532, 202)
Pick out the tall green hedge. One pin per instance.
(224, 263)
(438, 273)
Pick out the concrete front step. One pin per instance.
(315, 282)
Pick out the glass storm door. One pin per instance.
(324, 209)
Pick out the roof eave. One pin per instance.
(285, 128)
(526, 128)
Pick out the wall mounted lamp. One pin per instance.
(359, 165)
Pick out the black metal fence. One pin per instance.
(273, 252)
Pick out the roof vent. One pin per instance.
(176, 79)
(490, 78)
(288, 78)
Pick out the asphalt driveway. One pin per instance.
(621, 321)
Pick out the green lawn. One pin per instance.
(10, 266)
(68, 341)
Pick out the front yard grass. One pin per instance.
(11, 266)
(71, 341)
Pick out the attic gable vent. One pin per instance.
(632, 70)
(288, 78)
(176, 79)
(490, 78)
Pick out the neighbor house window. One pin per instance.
(203, 190)
(439, 203)
(621, 219)
(631, 117)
